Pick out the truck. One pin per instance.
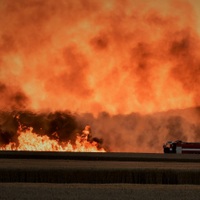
(180, 147)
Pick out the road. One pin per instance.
(51, 191)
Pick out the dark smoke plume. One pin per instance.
(57, 125)
(12, 98)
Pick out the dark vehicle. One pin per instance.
(180, 147)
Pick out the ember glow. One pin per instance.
(111, 56)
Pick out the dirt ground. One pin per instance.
(49, 191)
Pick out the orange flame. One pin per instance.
(30, 141)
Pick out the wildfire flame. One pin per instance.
(30, 141)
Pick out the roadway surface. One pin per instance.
(50, 191)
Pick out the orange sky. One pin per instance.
(118, 56)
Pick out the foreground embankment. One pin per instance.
(103, 169)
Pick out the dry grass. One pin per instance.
(98, 180)
(57, 171)
(140, 176)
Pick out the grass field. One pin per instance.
(149, 179)
(69, 171)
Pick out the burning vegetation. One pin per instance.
(42, 132)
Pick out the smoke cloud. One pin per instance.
(120, 61)
(144, 133)
(58, 125)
